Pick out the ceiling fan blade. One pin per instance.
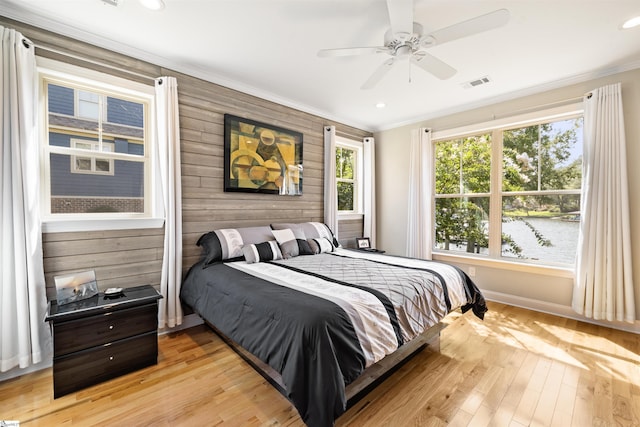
(379, 73)
(433, 65)
(472, 26)
(350, 51)
(400, 16)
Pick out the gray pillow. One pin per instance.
(226, 243)
(288, 243)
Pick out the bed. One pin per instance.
(317, 314)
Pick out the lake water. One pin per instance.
(562, 234)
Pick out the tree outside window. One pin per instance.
(346, 169)
(539, 172)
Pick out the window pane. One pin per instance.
(345, 196)
(543, 157)
(123, 191)
(561, 163)
(88, 105)
(463, 165)
(462, 224)
(60, 99)
(345, 163)
(541, 228)
(83, 163)
(92, 134)
(124, 112)
(103, 165)
(84, 145)
(125, 119)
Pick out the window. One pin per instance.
(97, 161)
(88, 104)
(511, 192)
(349, 176)
(89, 165)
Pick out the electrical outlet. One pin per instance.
(472, 271)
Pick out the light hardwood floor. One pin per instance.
(517, 368)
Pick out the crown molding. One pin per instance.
(35, 19)
(532, 90)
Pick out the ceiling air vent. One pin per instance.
(476, 82)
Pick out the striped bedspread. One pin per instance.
(321, 320)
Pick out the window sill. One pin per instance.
(74, 225)
(524, 267)
(348, 216)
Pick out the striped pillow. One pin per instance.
(265, 251)
(320, 245)
(226, 244)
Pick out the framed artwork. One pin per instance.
(75, 287)
(261, 158)
(363, 243)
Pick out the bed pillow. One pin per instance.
(226, 244)
(265, 251)
(320, 245)
(288, 242)
(304, 248)
(310, 230)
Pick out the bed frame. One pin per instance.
(370, 378)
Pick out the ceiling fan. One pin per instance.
(405, 41)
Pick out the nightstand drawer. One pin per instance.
(89, 367)
(80, 334)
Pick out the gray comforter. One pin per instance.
(321, 320)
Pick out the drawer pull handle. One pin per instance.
(110, 327)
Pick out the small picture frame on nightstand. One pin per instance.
(363, 243)
(76, 286)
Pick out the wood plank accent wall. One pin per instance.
(348, 230)
(133, 257)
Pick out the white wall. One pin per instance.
(544, 289)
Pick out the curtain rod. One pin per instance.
(556, 103)
(541, 106)
(27, 43)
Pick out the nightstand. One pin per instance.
(101, 337)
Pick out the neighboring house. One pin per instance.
(85, 182)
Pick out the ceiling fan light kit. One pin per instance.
(405, 41)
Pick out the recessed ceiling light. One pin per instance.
(152, 4)
(630, 23)
(381, 105)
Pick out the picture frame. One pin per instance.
(75, 286)
(261, 158)
(363, 243)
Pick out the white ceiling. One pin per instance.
(268, 48)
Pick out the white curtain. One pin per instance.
(421, 187)
(603, 287)
(330, 186)
(369, 188)
(168, 135)
(24, 338)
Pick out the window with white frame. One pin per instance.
(349, 176)
(100, 127)
(92, 164)
(511, 191)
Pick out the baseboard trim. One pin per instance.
(556, 309)
(188, 321)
